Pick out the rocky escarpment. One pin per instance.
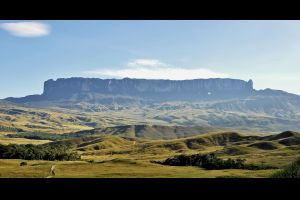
(156, 90)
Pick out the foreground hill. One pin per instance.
(255, 149)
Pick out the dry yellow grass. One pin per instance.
(7, 141)
(116, 168)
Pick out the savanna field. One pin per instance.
(112, 156)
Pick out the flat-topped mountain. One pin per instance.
(150, 89)
(129, 90)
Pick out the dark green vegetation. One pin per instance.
(10, 129)
(37, 152)
(23, 163)
(211, 161)
(264, 145)
(290, 171)
(40, 136)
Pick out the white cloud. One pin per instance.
(26, 29)
(146, 63)
(155, 69)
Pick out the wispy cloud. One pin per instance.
(26, 29)
(155, 69)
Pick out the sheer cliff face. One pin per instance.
(149, 89)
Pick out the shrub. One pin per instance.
(210, 161)
(290, 171)
(10, 129)
(37, 152)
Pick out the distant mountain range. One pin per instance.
(221, 103)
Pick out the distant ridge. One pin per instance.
(153, 132)
(148, 131)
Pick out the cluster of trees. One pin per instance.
(49, 136)
(211, 161)
(290, 171)
(10, 129)
(38, 136)
(37, 152)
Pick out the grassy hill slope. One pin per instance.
(109, 155)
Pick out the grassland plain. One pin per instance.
(116, 168)
(113, 156)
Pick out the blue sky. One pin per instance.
(268, 52)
